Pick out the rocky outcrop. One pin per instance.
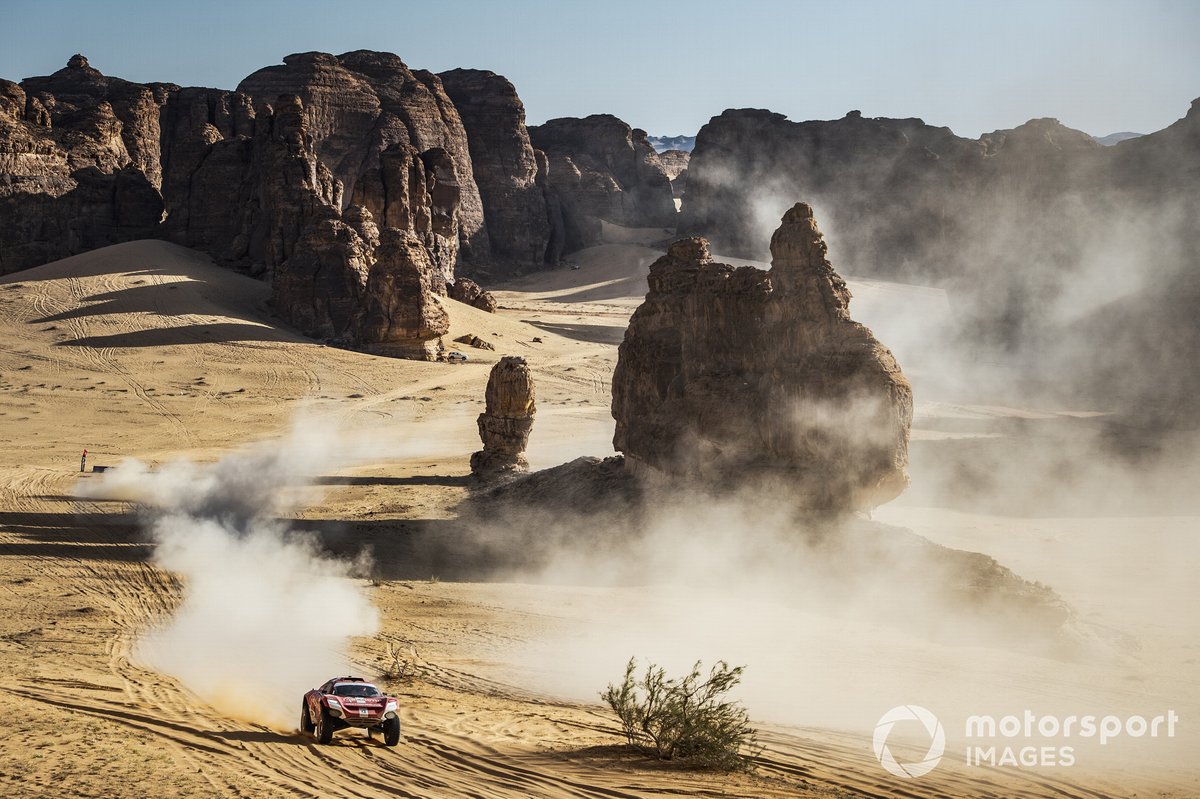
(505, 166)
(393, 138)
(913, 202)
(98, 210)
(352, 284)
(418, 193)
(87, 160)
(192, 121)
(598, 169)
(466, 290)
(402, 315)
(675, 165)
(381, 136)
(507, 420)
(78, 164)
(674, 162)
(251, 199)
(1024, 227)
(472, 340)
(320, 288)
(853, 169)
(103, 122)
(741, 377)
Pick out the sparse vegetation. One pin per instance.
(685, 718)
(400, 669)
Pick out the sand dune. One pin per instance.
(149, 350)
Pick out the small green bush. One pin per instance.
(685, 717)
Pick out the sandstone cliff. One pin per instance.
(250, 199)
(505, 167)
(87, 160)
(1026, 228)
(79, 164)
(599, 169)
(675, 164)
(740, 377)
(382, 129)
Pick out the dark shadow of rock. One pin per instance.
(595, 334)
(215, 333)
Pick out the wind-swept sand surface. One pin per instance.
(148, 350)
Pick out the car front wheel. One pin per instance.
(324, 730)
(391, 731)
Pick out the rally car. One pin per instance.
(346, 702)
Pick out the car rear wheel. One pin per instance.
(306, 724)
(324, 730)
(391, 731)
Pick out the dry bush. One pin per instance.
(686, 717)
(401, 669)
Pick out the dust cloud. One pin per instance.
(1040, 559)
(265, 615)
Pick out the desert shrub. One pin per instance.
(684, 717)
(400, 668)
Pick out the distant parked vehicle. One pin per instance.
(455, 357)
(346, 702)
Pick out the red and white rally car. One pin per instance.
(345, 702)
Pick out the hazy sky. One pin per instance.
(1101, 66)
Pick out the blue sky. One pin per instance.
(1101, 66)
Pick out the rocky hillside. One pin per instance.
(910, 201)
(79, 164)
(599, 169)
(511, 175)
(339, 178)
(385, 131)
(1031, 229)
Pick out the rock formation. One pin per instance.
(319, 290)
(292, 191)
(598, 169)
(675, 164)
(466, 290)
(393, 138)
(1014, 225)
(250, 199)
(472, 340)
(916, 202)
(114, 122)
(375, 134)
(79, 164)
(506, 168)
(401, 314)
(505, 424)
(743, 377)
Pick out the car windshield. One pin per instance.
(355, 689)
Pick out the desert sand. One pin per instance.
(149, 350)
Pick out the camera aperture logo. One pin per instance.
(937, 742)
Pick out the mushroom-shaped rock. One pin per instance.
(505, 424)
